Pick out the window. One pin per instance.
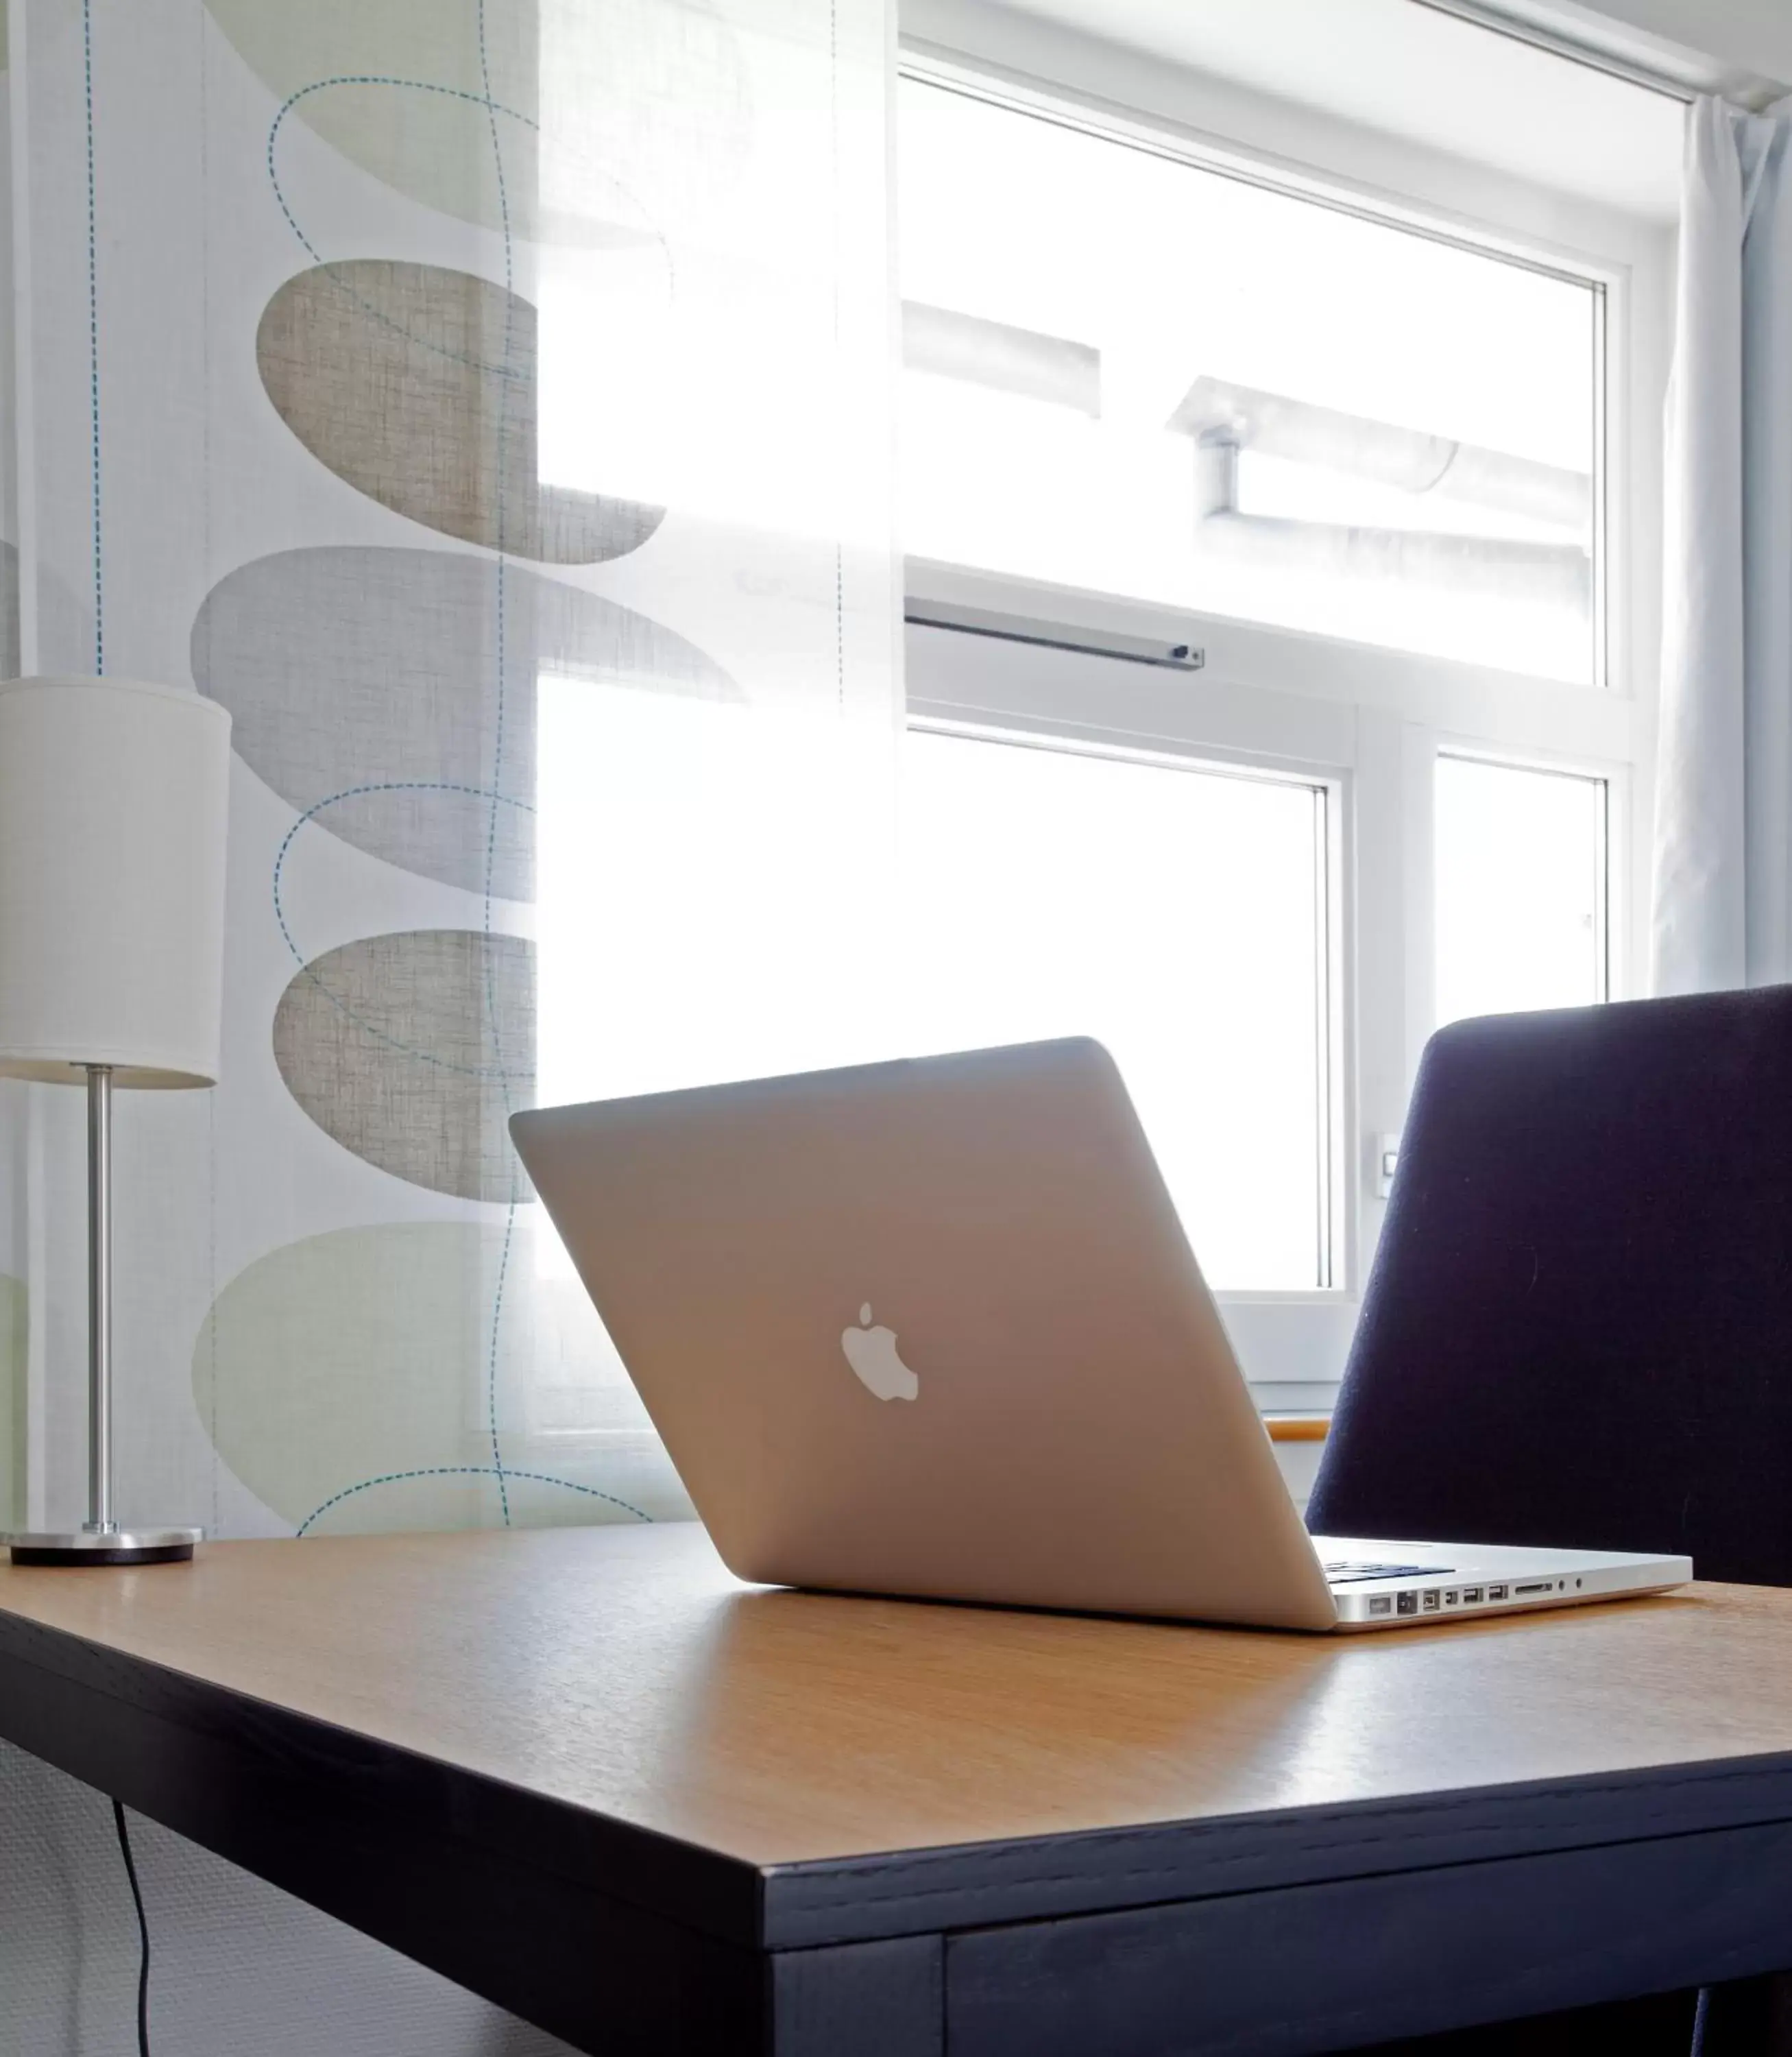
(1521, 886)
(1273, 632)
(1125, 372)
(1183, 919)
(1179, 915)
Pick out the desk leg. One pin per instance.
(874, 2000)
(1747, 2018)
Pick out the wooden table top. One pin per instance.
(588, 1775)
(624, 1672)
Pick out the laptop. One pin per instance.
(933, 1329)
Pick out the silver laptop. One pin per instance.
(933, 1329)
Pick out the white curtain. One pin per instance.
(1723, 808)
(488, 401)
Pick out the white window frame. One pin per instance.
(1366, 722)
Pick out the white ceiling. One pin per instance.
(1411, 72)
(1750, 37)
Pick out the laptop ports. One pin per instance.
(1408, 1604)
(1381, 1603)
(1471, 1596)
(1433, 1602)
(1496, 1592)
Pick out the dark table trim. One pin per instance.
(972, 1884)
(1371, 1961)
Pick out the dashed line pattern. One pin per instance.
(93, 342)
(467, 1471)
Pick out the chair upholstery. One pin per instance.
(1577, 1332)
(1578, 1327)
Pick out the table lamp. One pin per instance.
(113, 796)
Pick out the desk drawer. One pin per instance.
(1327, 1966)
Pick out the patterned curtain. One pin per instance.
(488, 401)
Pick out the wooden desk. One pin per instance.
(585, 1774)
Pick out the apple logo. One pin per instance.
(872, 1352)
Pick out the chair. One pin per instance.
(1578, 1328)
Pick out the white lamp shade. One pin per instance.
(113, 798)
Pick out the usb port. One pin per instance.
(1381, 1603)
(1433, 1602)
(1471, 1596)
(1408, 1603)
(1545, 1586)
(1496, 1592)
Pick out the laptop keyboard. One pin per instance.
(1346, 1573)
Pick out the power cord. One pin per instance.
(143, 1932)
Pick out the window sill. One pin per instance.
(1297, 1427)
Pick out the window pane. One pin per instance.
(1520, 887)
(1177, 915)
(707, 910)
(1125, 373)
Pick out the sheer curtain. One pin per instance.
(1723, 813)
(489, 401)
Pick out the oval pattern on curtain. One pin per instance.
(407, 90)
(351, 1380)
(385, 695)
(413, 1050)
(418, 386)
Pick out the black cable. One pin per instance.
(143, 1932)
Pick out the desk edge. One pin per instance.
(205, 1727)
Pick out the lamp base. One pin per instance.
(99, 1547)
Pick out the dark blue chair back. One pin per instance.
(1578, 1328)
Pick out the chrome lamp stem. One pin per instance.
(99, 1540)
(99, 1521)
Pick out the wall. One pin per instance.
(240, 1969)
